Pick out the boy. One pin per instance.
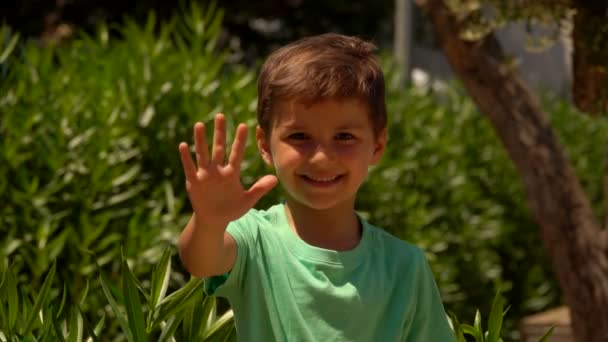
(308, 269)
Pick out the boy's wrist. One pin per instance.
(203, 223)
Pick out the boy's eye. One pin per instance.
(344, 136)
(298, 136)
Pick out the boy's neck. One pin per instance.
(337, 228)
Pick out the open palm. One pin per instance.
(213, 184)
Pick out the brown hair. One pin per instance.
(328, 66)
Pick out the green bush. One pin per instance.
(89, 165)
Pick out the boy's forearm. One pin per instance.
(201, 248)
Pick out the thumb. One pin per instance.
(261, 187)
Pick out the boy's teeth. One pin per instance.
(328, 179)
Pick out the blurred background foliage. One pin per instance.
(89, 165)
(250, 31)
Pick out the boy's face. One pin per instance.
(321, 152)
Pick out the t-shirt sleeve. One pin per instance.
(430, 322)
(225, 285)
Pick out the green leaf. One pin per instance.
(76, 326)
(100, 325)
(209, 311)
(83, 295)
(87, 326)
(470, 330)
(13, 300)
(46, 331)
(133, 304)
(191, 320)
(171, 327)
(9, 48)
(496, 318)
(545, 337)
(120, 315)
(4, 272)
(29, 338)
(160, 279)
(127, 176)
(40, 299)
(219, 325)
(57, 330)
(456, 327)
(63, 296)
(177, 301)
(478, 327)
(3, 316)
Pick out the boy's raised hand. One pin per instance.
(214, 185)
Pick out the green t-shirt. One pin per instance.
(283, 289)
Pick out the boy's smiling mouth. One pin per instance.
(322, 180)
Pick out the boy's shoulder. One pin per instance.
(394, 247)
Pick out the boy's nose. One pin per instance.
(321, 154)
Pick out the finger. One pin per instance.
(260, 188)
(238, 147)
(187, 163)
(219, 140)
(200, 145)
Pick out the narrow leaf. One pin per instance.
(40, 299)
(221, 323)
(160, 279)
(456, 327)
(87, 326)
(76, 326)
(100, 325)
(469, 330)
(120, 315)
(13, 300)
(83, 295)
(57, 330)
(63, 296)
(496, 318)
(9, 48)
(171, 327)
(177, 301)
(135, 312)
(209, 311)
(478, 327)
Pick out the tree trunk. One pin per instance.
(570, 231)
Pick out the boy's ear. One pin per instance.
(263, 142)
(380, 146)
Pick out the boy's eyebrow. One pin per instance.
(295, 126)
(352, 126)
